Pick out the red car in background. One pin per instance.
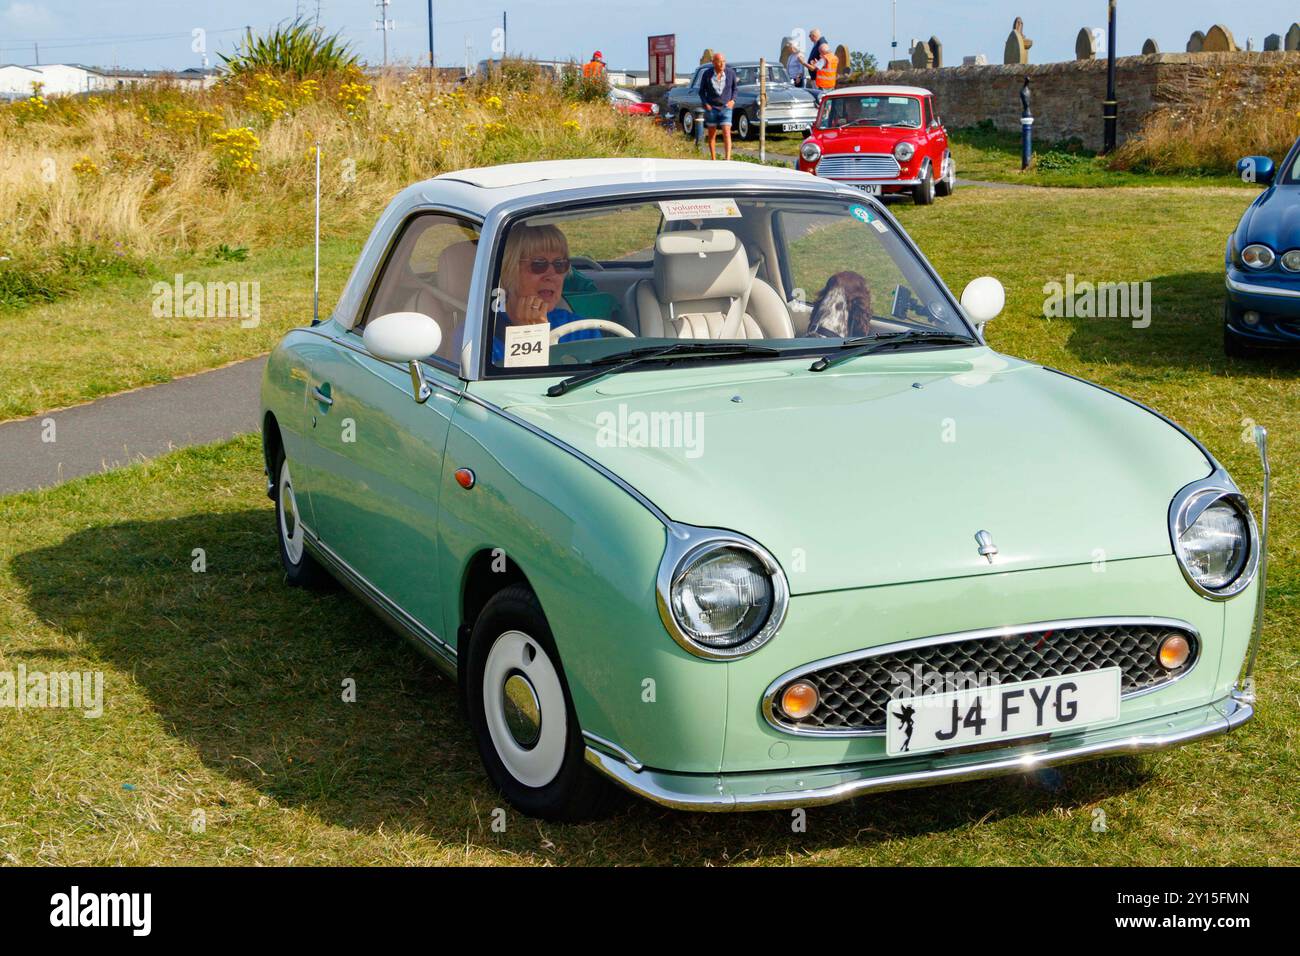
(883, 140)
(625, 101)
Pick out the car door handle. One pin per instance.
(322, 397)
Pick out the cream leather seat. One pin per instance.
(704, 288)
(446, 300)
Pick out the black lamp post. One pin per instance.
(1110, 109)
(1026, 128)
(431, 42)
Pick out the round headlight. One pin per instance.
(720, 594)
(810, 151)
(904, 151)
(1214, 542)
(1291, 260)
(1257, 256)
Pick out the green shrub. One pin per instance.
(295, 49)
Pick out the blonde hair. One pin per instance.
(527, 242)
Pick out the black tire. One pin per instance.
(575, 791)
(686, 119)
(301, 570)
(923, 192)
(744, 128)
(946, 184)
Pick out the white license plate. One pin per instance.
(869, 189)
(791, 127)
(978, 715)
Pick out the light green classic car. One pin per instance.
(697, 479)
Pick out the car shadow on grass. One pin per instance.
(1185, 331)
(250, 674)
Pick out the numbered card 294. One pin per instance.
(528, 345)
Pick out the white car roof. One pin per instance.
(881, 91)
(483, 188)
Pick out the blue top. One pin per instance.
(710, 96)
(556, 318)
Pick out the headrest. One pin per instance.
(702, 264)
(455, 265)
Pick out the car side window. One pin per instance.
(428, 271)
(934, 112)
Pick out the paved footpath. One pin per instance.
(117, 430)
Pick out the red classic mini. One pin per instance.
(882, 140)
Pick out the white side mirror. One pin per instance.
(982, 300)
(402, 336)
(405, 337)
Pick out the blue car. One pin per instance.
(1262, 309)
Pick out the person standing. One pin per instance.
(595, 67)
(822, 64)
(718, 94)
(794, 68)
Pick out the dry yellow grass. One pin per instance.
(1226, 112)
(159, 171)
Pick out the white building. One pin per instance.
(62, 79)
(16, 81)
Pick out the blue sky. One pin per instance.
(157, 33)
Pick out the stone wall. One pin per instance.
(1067, 97)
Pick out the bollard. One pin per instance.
(697, 113)
(1026, 128)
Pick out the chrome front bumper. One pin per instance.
(815, 786)
(872, 182)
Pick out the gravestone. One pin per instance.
(1273, 43)
(922, 56)
(1089, 43)
(1292, 41)
(1150, 47)
(1017, 46)
(936, 48)
(900, 64)
(1196, 42)
(1218, 39)
(1250, 44)
(979, 59)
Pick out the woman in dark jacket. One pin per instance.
(718, 94)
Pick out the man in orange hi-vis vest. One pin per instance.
(595, 67)
(823, 64)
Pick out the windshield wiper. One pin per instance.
(866, 344)
(622, 361)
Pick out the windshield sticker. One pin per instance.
(676, 210)
(528, 345)
(899, 100)
(862, 213)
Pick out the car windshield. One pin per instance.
(874, 110)
(581, 286)
(746, 75)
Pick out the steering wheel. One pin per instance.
(578, 325)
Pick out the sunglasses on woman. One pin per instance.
(539, 265)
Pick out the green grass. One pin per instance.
(988, 155)
(223, 688)
(107, 339)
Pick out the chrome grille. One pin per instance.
(856, 689)
(858, 166)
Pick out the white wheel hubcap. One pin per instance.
(524, 706)
(291, 532)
